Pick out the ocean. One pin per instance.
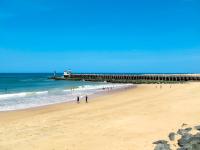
(27, 90)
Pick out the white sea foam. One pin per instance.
(7, 96)
(22, 94)
(25, 100)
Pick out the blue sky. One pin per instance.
(100, 35)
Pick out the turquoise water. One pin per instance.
(15, 83)
(20, 91)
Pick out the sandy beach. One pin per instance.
(123, 120)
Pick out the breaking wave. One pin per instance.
(23, 100)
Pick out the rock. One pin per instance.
(197, 128)
(171, 136)
(188, 129)
(197, 135)
(192, 144)
(180, 131)
(184, 139)
(183, 131)
(162, 147)
(181, 148)
(160, 142)
(187, 141)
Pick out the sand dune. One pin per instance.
(126, 120)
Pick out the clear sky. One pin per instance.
(151, 36)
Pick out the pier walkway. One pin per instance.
(125, 78)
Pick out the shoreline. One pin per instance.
(129, 119)
(91, 98)
(70, 97)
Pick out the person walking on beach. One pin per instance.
(78, 100)
(86, 99)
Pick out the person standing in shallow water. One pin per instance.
(86, 99)
(78, 100)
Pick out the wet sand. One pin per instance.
(124, 120)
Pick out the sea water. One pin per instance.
(21, 91)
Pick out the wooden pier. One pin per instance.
(134, 78)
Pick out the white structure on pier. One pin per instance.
(67, 73)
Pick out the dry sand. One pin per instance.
(126, 120)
